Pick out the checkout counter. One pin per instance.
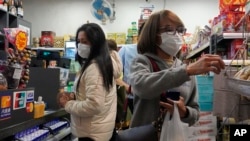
(18, 122)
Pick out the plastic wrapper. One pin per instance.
(243, 74)
(17, 37)
(16, 71)
(12, 74)
(240, 83)
(3, 82)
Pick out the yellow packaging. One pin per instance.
(111, 36)
(59, 42)
(120, 38)
(39, 110)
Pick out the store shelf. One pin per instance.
(50, 115)
(194, 52)
(239, 35)
(46, 48)
(237, 62)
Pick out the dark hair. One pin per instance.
(140, 28)
(99, 52)
(148, 37)
(112, 45)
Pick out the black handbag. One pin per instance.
(140, 133)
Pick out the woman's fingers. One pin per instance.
(167, 106)
(207, 63)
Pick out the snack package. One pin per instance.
(243, 74)
(16, 71)
(17, 37)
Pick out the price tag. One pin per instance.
(17, 73)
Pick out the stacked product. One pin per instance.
(205, 92)
(231, 12)
(205, 129)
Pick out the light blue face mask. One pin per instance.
(83, 50)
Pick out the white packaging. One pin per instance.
(206, 122)
(202, 138)
(200, 131)
(206, 115)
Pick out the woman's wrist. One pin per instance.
(186, 113)
(188, 70)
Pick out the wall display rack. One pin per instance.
(193, 53)
(8, 20)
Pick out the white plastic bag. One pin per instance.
(174, 129)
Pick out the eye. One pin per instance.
(181, 30)
(169, 29)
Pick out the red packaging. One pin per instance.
(235, 45)
(47, 39)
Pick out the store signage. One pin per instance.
(5, 106)
(146, 12)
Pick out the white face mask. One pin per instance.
(83, 50)
(171, 44)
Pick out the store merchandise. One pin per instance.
(4, 5)
(12, 7)
(39, 107)
(3, 82)
(58, 42)
(32, 134)
(17, 68)
(47, 38)
(205, 92)
(19, 7)
(36, 42)
(243, 74)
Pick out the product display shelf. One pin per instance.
(8, 132)
(237, 62)
(46, 48)
(224, 38)
(198, 50)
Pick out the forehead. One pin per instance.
(165, 22)
(81, 35)
(82, 38)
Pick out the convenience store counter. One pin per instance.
(8, 132)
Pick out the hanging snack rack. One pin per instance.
(241, 84)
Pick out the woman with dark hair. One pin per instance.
(93, 109)
(158, 44)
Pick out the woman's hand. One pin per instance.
(169, 105)
(64, 97)
(205, 64)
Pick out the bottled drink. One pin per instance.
(5, 5)
(12, 8)
(19, 8)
